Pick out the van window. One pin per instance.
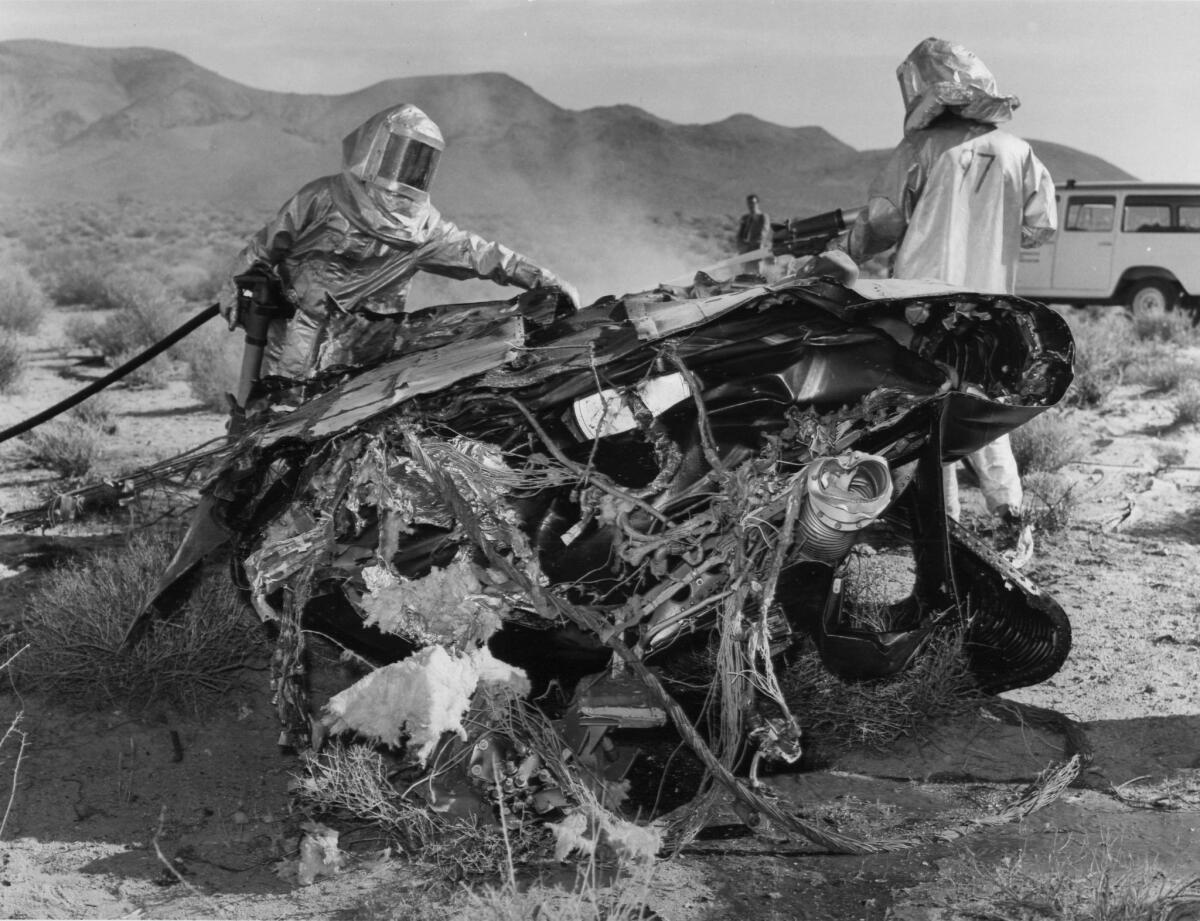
(1159, 213)
(1091, 214)
(1145, 218)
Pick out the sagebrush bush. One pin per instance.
(75, 625)
(67, 446)
(96, 411)
(1161, 370)
(1169, 454)
(1158, 325)
(13, 359)
(1187, 403)
(213, 357)
(143, 313)
(154, 373)
(1104, 348)
(77, 276)
(1047, 442)
(23, 303)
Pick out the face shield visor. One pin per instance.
(396, 151)
(406, 161)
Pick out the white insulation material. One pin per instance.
(422, 697)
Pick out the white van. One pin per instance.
(1133, 243)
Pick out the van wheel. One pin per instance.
(1153, 294)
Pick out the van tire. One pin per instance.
(1152, 294)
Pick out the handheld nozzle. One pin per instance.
(259, 301)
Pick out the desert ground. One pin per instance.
(168, 814)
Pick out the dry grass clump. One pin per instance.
(13, 740)
(624, 898)
(838, 713)
(1047, 442)
(22, 300)
(13, 359)
(1187, 403)
(1051, 500)
(352, 780)
(69, 447)
(1095, 886)
(76, 620)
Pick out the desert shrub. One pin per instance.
(1161, 371)
(77, 276)
(143, 314)
(1187, 403)
(97, 411)
(75, 625)
(13, 359)
(22, 300)
(1047, 442)
(1051, 500)
(1157, 325)
(154, 373)
(213, 357)
(1104, 347)
(1169, 454)
(196, 282)
(67, 446)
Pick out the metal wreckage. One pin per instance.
(525, 497)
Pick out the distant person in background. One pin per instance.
(345, 249)
(959, 198)
(754, 233)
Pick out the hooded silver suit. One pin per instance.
(959, 196)
(346, 247)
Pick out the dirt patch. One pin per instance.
(172, 817)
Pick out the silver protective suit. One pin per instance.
(959, 198)
(346, 248)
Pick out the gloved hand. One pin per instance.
(833, 263)
(227, 301)
(553, 281)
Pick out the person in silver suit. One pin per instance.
(345, 249)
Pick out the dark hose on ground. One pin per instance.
(115, 375)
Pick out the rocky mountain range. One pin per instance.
(93, 123)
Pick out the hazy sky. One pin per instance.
(1117, 78)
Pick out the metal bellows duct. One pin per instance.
(842, 495)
